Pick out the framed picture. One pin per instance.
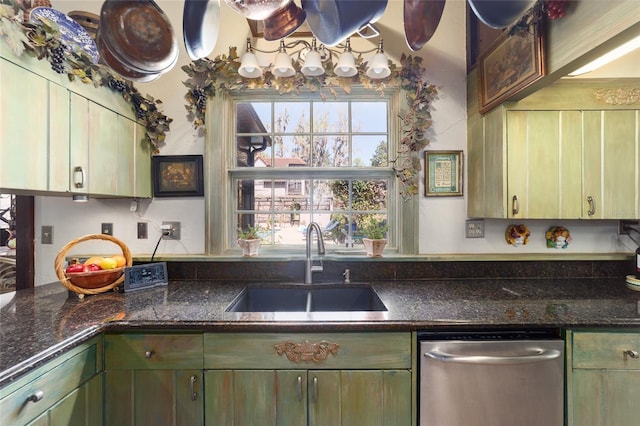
(512, 63)
(443, 175)
(177, 176)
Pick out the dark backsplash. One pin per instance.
(254, 270)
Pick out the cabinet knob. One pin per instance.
(148, 354)
(630, 354)
(36, 396)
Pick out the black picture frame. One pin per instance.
(178, 176)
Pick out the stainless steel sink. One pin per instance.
(307, 298)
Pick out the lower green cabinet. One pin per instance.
(603, 383)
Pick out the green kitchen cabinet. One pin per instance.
(153, 379)
(64, 391)
(308, 378)
(558, 154)
(603, 377)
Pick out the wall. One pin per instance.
(442, 219)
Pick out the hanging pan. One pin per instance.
(421, 18)
(283, 22)
(200, 27)
(500, 13)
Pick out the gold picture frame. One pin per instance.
(443, 173)
(513, 62)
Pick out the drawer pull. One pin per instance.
(592, 205)
(148, 354)
(192, 386)
(515, 205)
(299, 388)
(315, 389)
(631, 354)
(36, 396)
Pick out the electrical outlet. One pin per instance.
(174, 231)
(142, 230)
(46, 235)
(107, 228)
(474, 228)
(623, 223)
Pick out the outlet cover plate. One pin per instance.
(474, 228)
(142, 230)
(107, 228)
(175, 231)
(46, 235)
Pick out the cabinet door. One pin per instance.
(82, 407)
(153, 397)
(544, 164)
(256, 397)
(24, 113)
(611, 162)
(142, 154)
(360, 397)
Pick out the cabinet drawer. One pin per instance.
(42, 392)
(606, 350)
(153, 351)
(308, 350)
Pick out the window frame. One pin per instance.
(221, 170)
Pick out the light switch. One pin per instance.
(46, 235)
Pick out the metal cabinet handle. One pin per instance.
(592, 206)
(148, 354)
(539, 355)
(78, 172)
(192, 387)
(36, 396)
(630, 354)
(315, 389)
(515, 205)
(299, 388)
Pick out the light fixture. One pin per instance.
(313, 62)
(346, 66)
(300, 56)
(610, 56)
(79, 198)
(249, 67)
(282, 64)
(379, 64)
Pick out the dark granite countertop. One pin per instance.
(38, 324)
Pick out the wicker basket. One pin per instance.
(83, 286)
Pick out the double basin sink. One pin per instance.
(309, 298)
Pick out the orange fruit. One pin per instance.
(120, 260)
(95, 260)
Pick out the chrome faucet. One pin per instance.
(309, 267)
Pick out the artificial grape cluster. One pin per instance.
(200, 97)
(117, 85)
(555, 8)
(57, 59)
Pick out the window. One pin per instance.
(307, 159)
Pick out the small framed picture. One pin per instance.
(512, 63)
(177, 176)
(443, 174)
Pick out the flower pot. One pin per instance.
(374, 248)
(250, 248)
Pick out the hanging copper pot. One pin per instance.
(283, 22)
(421, 18)
(257, 10)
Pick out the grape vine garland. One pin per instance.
(206, 77)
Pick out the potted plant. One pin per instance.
(374, 240)
(249, 241)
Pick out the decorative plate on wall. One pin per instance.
(517, 235)
(558, 237)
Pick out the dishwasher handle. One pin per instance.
(538, 356)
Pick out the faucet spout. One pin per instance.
(309, 267)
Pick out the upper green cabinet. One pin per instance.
(58, 136)
(557, 154)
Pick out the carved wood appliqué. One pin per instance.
(307, 351)
(621, 96)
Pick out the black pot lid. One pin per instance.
(500, 13)
(200, 27)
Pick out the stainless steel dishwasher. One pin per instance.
(491, 378)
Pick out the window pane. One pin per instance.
(369, 117)
(370, 151)
(330, 117)
(292, 151)
(291, 117)
(330, 151)
(253, 117)
(369, 195)
(253, 151)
